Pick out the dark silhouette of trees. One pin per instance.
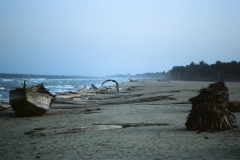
(220, 71)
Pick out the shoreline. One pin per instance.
(145, 142)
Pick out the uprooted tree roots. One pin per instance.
(210, 109)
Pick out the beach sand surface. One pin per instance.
(144, 142)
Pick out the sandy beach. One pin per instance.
(142, 142)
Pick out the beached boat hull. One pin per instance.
(29, 103)
(131, 80)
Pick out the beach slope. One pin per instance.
(87, 141)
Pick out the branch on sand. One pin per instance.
(94, 127)
(57, 103)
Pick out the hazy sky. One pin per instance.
(105, 37)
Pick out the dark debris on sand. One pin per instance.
(210, 109)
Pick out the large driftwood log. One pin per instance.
(72, 106)
(69, 101)
(77, 95)
(80, 104)
(134, 100)
(120, 95)
(94, 127)
(70, 130)
(115, 96)
(125, 125)
(117, 86)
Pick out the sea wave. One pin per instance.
(53, 83)
(37, 79)
(54, 91)
(7, 80)
(72, 79)
(60, 86)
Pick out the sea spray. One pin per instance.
(53, 83)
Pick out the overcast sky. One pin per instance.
(106, 37)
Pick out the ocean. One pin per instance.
(54, 83)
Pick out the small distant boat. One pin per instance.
(132, 80)
(33, 101)
(4, 105)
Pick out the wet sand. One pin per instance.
(145, 142)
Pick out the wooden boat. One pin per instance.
(34, 101)
(132, 80)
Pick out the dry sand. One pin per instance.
(147, 142)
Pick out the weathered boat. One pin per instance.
(132, 80)
(33, 101)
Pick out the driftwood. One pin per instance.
(85, 98)
(117, 86)
(115, 96)
(58, 104)
(134, 100)
(164, 80)
(75, 95)
(47, 132)
(120, 95)
(93, 87)
(94, 127)
(87, 95)
(125, 125)
(82, 89)
(69, 101)
(72, 106)
(234, 106)
(172, 91)
(81, 98)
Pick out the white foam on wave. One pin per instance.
(7, 80)
(67, 79)
(37, 79)
(2, 88)
(54, 91)
(59, 86)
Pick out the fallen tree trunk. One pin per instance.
(94, 127)
(116, 96)
(77, 95)
(72, 106)
(125, 125)
(63, 104)
(70, 130)
(135, 100)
